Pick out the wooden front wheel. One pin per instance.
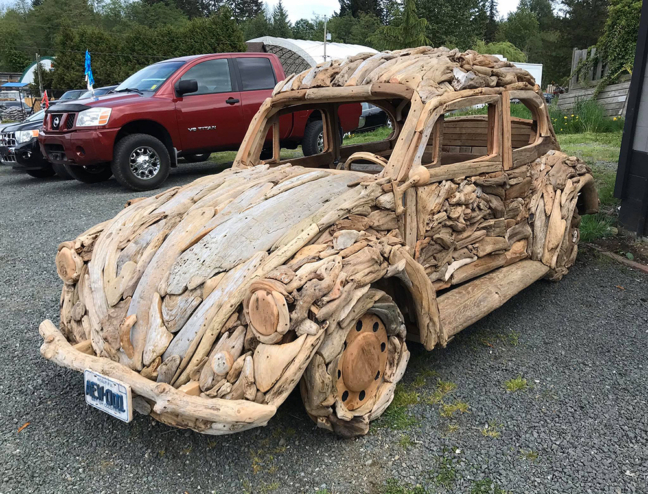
(351, 379)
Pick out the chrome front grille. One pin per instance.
(8, 139)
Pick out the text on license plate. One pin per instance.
(108, 395)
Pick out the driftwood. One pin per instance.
(216, 299)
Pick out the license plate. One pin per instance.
(108, 395)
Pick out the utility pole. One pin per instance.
(40, 79)
(325, 38)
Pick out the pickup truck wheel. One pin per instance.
(42, 173)
(313, 142)
(61, 172)
(90, 174)
(347, 391)
(197, 158)
(141, 162)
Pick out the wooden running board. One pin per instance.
(467, 304)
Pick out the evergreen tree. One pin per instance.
(243, 10)
(303, 29)
(491, 23)
(357, 7)
(281, 27)
(406, 31)
(258, 26)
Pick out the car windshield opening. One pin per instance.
(150, 78)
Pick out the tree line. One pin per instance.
(125, 35)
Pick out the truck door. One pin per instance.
(210, 117)
(257, 80)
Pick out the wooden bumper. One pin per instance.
(206, 415)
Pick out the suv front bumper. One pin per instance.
(28, 156)
(169, 405)
(80, 147)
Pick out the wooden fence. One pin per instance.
(612, 98)
(582, 85)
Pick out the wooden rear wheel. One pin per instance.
(351, 379)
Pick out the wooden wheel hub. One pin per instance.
(264, 314)
(362, 365)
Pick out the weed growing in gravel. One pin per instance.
(446, 474)
(517, 384)
(442, 389)
(451, 428)
(529, 455)
(397, 416)
(322, 491)
(486, 486)
(448, 411)
(491, 430)
(405, 442)
(395, 487)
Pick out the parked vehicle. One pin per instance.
(186, 107)
(100, 91)
(372, 117)
(19, 148)
(71, 95)
(212, 302)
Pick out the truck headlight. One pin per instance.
(25, 135)
(94, 117)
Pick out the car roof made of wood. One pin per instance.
(429, 71)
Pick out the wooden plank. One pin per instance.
(466, 304)
(459, 170)
(507, 158)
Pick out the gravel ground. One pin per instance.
(580, 425)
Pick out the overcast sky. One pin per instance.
(298, 9)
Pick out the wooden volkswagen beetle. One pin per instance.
(209, 303)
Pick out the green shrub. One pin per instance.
(586, 116)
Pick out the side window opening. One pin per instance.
(369, 129)
(213, 76)
(256, 73)
(524, 125)
(462, 135)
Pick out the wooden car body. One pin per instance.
(225, 294)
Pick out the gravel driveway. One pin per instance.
(579, 423)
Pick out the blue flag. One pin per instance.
(88, 73)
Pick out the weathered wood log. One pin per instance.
(465, 305)
(270, 361)
(228, 415)
(478, 268)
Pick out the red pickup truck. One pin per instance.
(185, 107)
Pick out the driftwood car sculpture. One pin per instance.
(211, 302)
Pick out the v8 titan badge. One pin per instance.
(108, 395)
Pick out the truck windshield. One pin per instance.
(149, 78)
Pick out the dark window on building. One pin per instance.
(213, 76)
(256, 73)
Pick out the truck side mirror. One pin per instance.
(186, 86)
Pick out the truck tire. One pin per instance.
(313, 140)
(61, 172)
(90, 174)
(41, 173)
(141, 162)
(197, 158)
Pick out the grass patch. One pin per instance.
(442, 389)
(395, 487)
(451, 428)
(405, 442)
(517, 384)
(446, 474)
(492, 429)
(448, 411)
(596, 226)
(380, 134)
(529, 455)
(397, 416)
(486, 486)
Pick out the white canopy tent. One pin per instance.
(297, 55)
